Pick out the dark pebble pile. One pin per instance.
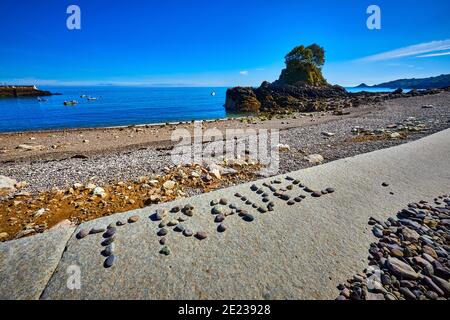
(410, 261)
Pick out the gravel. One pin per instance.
(304, 140)
(410, 261)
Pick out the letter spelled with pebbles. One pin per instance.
(269, 195)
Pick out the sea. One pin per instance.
(115, 106)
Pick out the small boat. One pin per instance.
(70, 103)
(41, 99)
(83, 96)
(213, 93)
(92, 98)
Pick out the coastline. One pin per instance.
(142, 154)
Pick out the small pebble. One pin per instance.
(179, 228)
(162, 232)
(83, 233)
(173, 222)
(109, 250)
(297, 199)
(219, 218)
(329, 190)
(160, 214)
(290, 202)
(216, 210)
(248, 217)
(165, 250)
(110, 232)
(189, 213)
(187, 232)
(109, 261)
(385, 184)
(316, 194)
(201, 235)
(223, 201)
(175, 209)
(242, 213)
(285, 197)
(221, 227)
(120, 223)
(162, 224)
(214, 203)
(97, 230)
(254, 187)
(162, 241)
(262, 210)
(108, 241)
(237, 195)
(133, 219)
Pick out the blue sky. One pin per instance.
(218, 42)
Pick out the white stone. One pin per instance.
(99, 191)
(28, 147)
(7, 183)
(283, 147)
(314, 158)
(169, 184)
(40, 212)
(91, 186)
(77, 186)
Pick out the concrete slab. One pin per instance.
(27, 264)
(295, 252)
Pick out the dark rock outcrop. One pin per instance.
(301, 86)
(242, 99)
(22, 91)
(275, 97)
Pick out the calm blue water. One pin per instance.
(355, 89)
(115, 106)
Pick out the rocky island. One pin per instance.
(301, 87)
(22, 91)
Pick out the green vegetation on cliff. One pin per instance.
(304, 65)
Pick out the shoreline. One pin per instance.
(154, 124)
(136, 157)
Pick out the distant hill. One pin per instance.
(441, 81)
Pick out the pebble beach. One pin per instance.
(96, 172)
